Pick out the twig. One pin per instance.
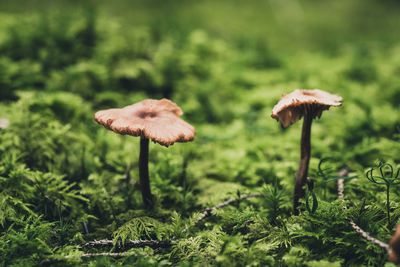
(51, 261)
(141, 243)
(130, 243)
(164, 244)
(367, 236)
(208, 212)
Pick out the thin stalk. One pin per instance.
(144, 172)
(305, 152)
(388, 204)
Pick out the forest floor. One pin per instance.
(69, 188)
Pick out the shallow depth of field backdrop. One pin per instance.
(65, 180)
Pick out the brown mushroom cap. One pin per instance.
(293, 106)
(394, 246)
(157, 120)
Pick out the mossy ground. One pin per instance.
(65, 180)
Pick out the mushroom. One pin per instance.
(293, 106)
(394, 246)
(158, 120)
(4, 123)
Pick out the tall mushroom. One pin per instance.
(158, 120)
(293, 106)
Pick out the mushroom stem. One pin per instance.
(144, 172)
(305, 152)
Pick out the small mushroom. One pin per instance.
(158, 120)
(293, 106)
(4, 123)
(394, 246)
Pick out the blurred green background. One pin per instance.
(226, 64)
(288, 25)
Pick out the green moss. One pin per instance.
(65, 180)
